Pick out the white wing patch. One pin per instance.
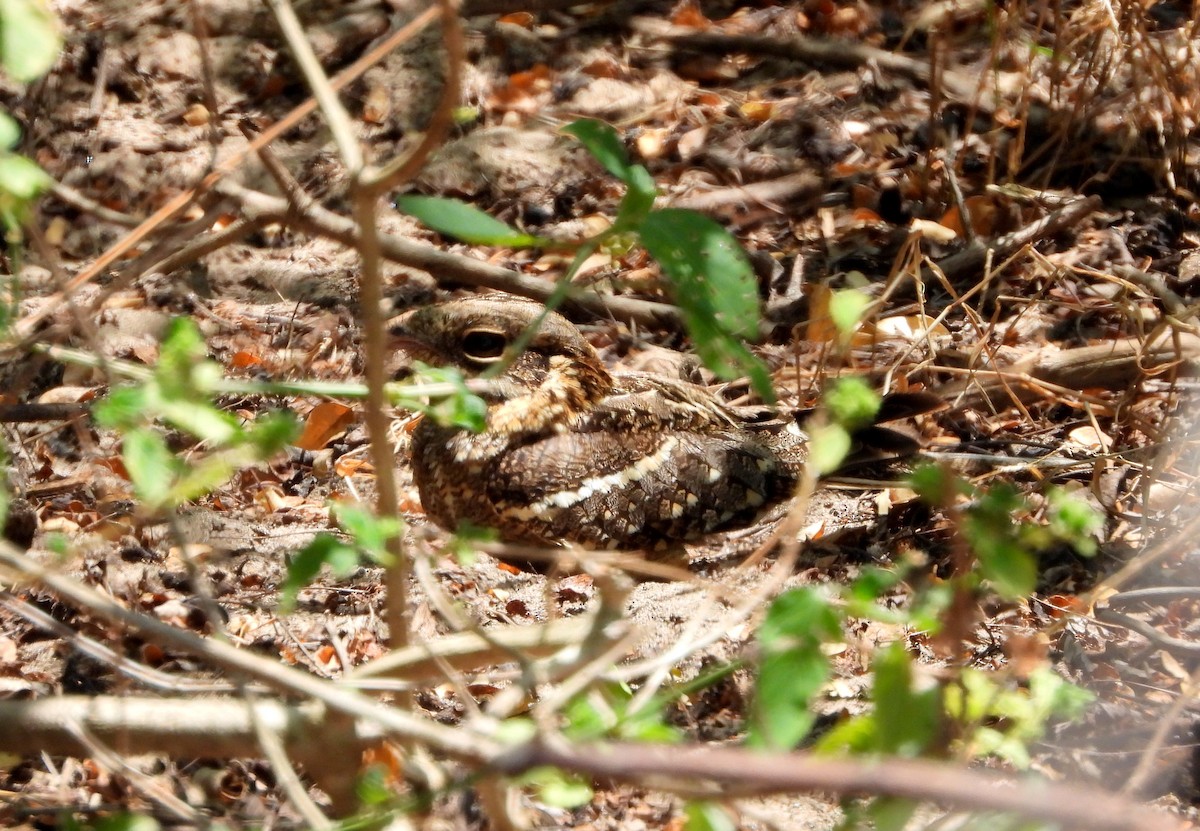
(549, 505)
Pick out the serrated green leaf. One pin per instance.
(709, 270)
(463, 222)
(21, 178)
(715, 288)
(152, 467)
(10, 131)
(604, 144)
(29, 38)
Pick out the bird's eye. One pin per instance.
(483, 346)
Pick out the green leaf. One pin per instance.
(605, 146)
(557, 788)
(993, 528)
(198, 418)
(852, 403)
(182, 351)
(306, 565)
(372, 786)
(707, 816)
(710, 272)
(636, 205)
(793, 667)
(127, 822)
(122, 409)
(514, 731)
(828, 446)
(846, 309)
(715, 288)
(29, 38)
(464, 222)
(890, 813)
(272, 433)
(370, 532)
(464, 543)
(1073, 520)
(152, 467)
(908, 719)
(205, 476)
(21, 178)
(933, 484)
(462, 408)
(10, 131)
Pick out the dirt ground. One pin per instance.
(832, 170)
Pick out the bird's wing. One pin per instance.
(639, 401)
(631, 488)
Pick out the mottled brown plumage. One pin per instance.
(573, 452)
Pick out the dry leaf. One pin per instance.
(326, 420)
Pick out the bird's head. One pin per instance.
(475, 334)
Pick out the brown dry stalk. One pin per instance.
(54, 723)
(26, 326)
(744, 773)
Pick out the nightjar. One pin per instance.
(573, 452)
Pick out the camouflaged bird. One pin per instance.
(573, 452)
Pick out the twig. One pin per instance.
(1176, 646)
(30, 413)
(336, 117)
(88, 205)
(1111, 365)
(276, 676)
(24, 327)
(150, 788)
(794, 187)
(742, 773)
(835, 52)
(1156, 284)
(1167, 722)
(448, 267)
(1153, 594)
(972, 258)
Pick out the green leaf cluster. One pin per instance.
(710, 275)
(179, 394)
(1005, 719)
(850, 404)
(793, 667)
(29, 45)
(367, 541)
(607, 712)
(458, 408)
(999, 525)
